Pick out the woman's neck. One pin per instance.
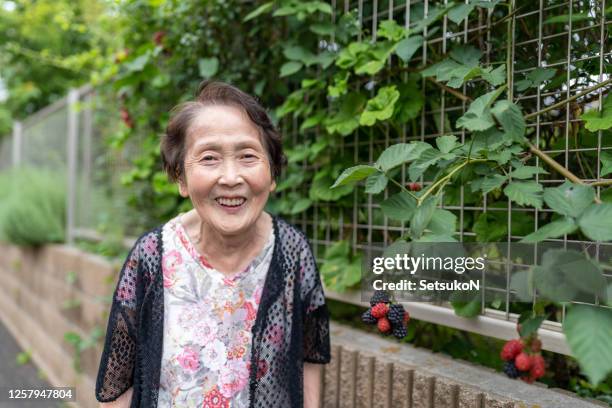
(227, 251)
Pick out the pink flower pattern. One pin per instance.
(207, 325)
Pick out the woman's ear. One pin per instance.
(183, 187)
(273, 186)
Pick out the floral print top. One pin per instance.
(208, 318)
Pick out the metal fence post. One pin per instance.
(17, 133)
(73, 128)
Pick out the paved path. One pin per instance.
(12, 375)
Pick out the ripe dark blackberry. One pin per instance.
(396, 314)
(399, 331)
(511, 370)
(367, 317)
(379, 296)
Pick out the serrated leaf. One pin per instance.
(369, 68)
(525, 193)
(527, 172)
(422, 216)
(446, 143)
(400, 153)
(376, 183)
(408, 46)
(489, 184)
(353, 174)
(390, 30)
(443, 222)
(554, 229)
(495, 77)
(569, 199)
(588, 331)
(511, 119)
(595, 120)
(478, 116)
(399, 206)
(290, 68)
(596, 222)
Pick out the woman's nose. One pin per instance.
(230, 173)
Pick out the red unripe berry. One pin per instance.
(536, 345)
(538, 367)
(380, 310)
(523, 362)
(528, 379)
(414, 186)
(384, 325)
(158, 37)
(406, 317)
(511, 349)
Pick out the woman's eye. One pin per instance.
(208, 158)
(249, 156)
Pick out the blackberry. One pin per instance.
(367, 317)
(396, 314)
(400, 331)
(379, 296)
(511, 370)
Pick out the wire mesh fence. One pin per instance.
(571, 37)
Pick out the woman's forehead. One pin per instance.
(223, 125)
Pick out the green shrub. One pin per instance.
(32, 207)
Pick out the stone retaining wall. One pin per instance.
(57, 289)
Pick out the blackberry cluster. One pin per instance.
(379, 296)
(510, 370)
(523, 358)
(390, 318)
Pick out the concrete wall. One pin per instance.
(366, 370)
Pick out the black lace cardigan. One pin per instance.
(292, 297)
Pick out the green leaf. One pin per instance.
(596, 222)
(299, 53)
(400, 206)
(208, 67)
(264, 8)
(301, 205)
(522, 283)
(489, 184)
(465, 303)
(422, 217)
(347, 120)
(443, 222)
(138, 64)
(606, 163)
(370, 67)
(595, 120)
(428, 158)
(322, 29)
(478, 116)
(376, 183)
(409, 104)
(565, 18)
(390, 30)
(446, 143)
(408, 46)
(525, 193)
(511, 119)
(380, 107)
(290, 68)
(353, 174)
(588, 331)
(527, 172)
(569, 199)
(400, 153)
(460, 12)
(531, 325)
(554, 229)
(535, 78)
(496, 76)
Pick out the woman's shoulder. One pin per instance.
(289, 233)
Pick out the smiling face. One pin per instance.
(227, 171)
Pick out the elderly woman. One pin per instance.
(221, 306)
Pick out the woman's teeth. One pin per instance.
(233, 202)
